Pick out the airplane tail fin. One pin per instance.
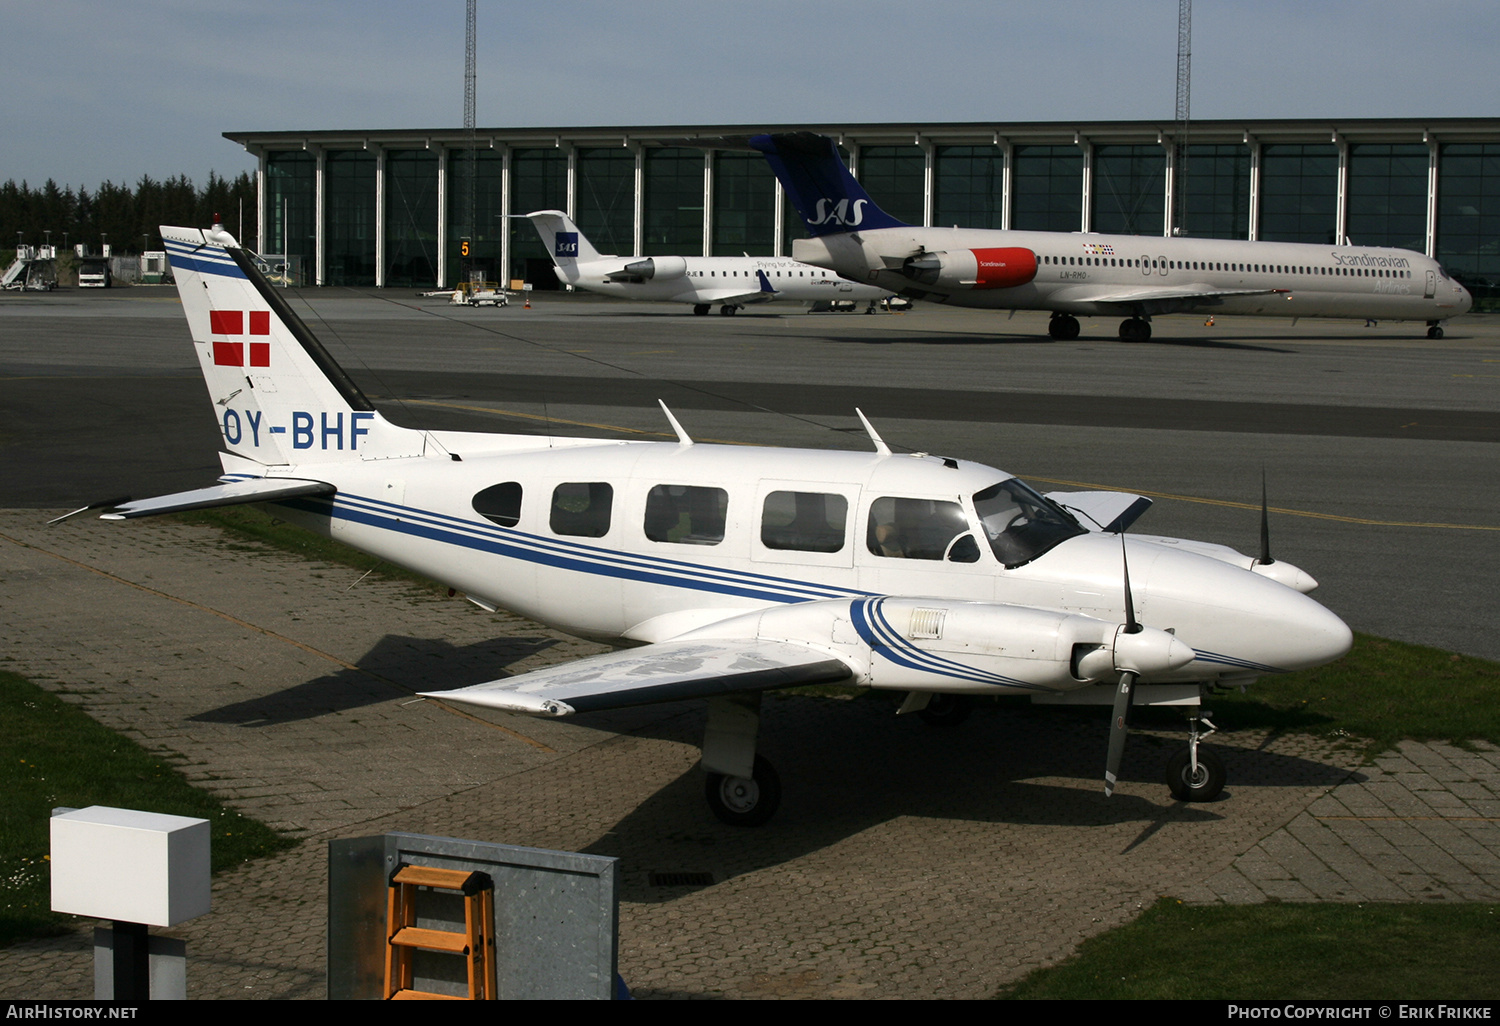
(819, 185)
(566, 245)
(277, 394)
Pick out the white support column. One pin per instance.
(1170, 183)
(260, 203)
(708, 202)
(442, 225)
(778, 232)
(320, 218)
(1008, 155)
(638, 212)
(505, 212)
(1341, 210)
(929, 180)
(1254, 145)
(1088, 182)
(1432, 194)
(572, 206)
(379, 218)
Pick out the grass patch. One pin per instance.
(1385, 691)
(54, 754)
(1284, 952)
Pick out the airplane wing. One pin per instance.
(663, 672)
(736, 297)
(1148, 293)
(1103, 511)
(230, 493)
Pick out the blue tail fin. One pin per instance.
(820, 186)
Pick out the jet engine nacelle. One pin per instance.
(1002, 268)
(662, 268)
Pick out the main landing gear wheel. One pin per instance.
(1135, 329)
(1188, 785)
(1436, 331)
(1063, 328)
(729, 309)
(947, 710)
(745, 801)
(700, 309)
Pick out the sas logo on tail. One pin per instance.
(840, 212)
(565, 244)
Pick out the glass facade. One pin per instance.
(475, 215)
(673, 212)
(1387, 196)
(291, 210)
(1130, 190)
(1468, 217)
(411, 217)
(349, 231)
(1218, 192)
(969, 186)
(606, 199)
(1048, 186)
(744, 205)
(896, 179)
(1299, 192)
(538, 181)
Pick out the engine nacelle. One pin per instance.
(1001, 268)
(662, 268)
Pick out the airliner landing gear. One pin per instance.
(729, 309)
(1135, 329)
(700, 309)
(1063, 327)
(1434, 329)
(742, 788)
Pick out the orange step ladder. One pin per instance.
(403, 937)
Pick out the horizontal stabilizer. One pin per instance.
(233, 493)
(1103, 511)
(665, 672)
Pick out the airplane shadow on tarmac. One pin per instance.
(846, 766)
(993, 340)
(396, 667)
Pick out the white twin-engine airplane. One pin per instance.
(732, 282)
(733, 570)
(1082, 274)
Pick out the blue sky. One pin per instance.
(115, 90)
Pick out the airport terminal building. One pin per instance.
(431, 206)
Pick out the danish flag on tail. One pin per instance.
(279, 397)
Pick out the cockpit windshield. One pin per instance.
(1020, 524)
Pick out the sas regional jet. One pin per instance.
(731, 282)
(1084, 274)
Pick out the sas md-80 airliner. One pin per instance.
(731, 282)
(1083, 274)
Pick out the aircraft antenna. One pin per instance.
(1184, 94)
(470, 157)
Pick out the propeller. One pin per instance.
(1265, 524)
(1117, 725)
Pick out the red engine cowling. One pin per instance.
(999, 268)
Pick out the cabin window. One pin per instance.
(500, 504)
(804, 521)
(686, 515)
(582, 508)
(916, 528)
